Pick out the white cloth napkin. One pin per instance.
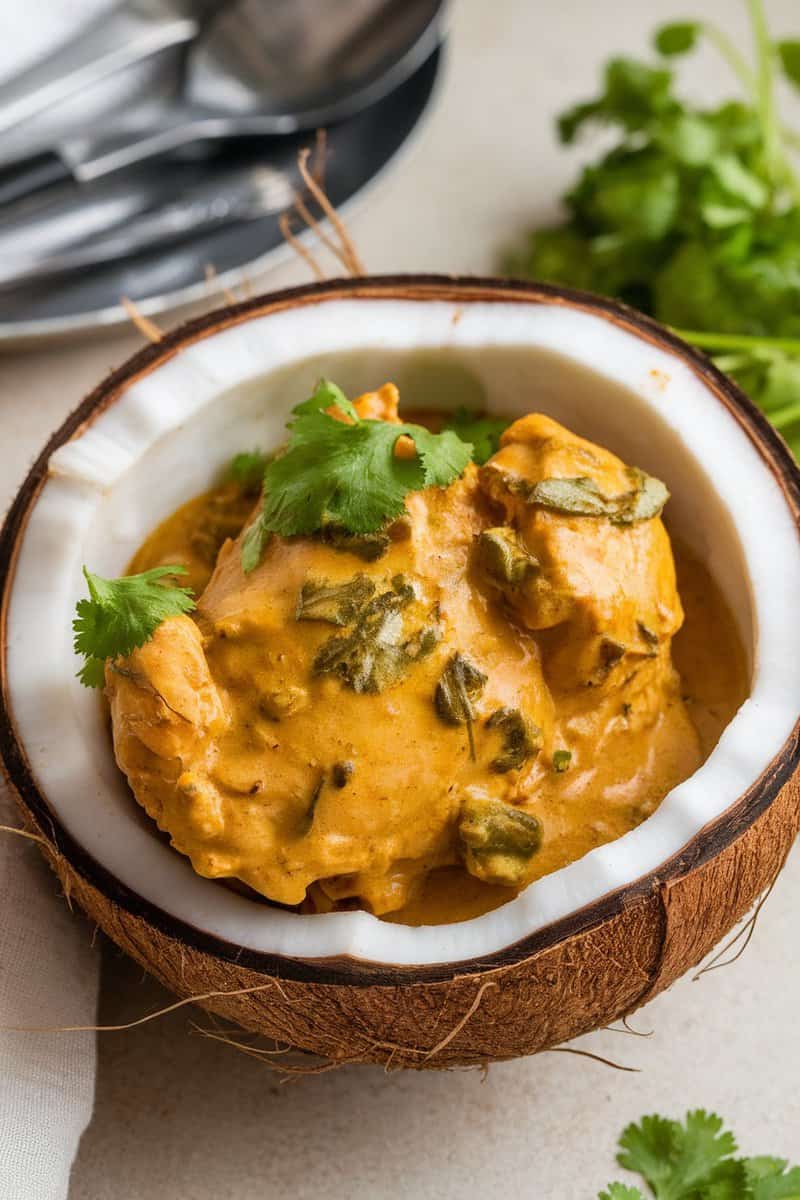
(48, 976)
(48, 971)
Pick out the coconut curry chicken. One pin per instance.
(403, 680)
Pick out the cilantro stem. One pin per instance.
(738, 341)
(730, 53)
(770, 130)
(781, 417)
(732, 362)
(747, 77)
(791, 137)
(760, 86)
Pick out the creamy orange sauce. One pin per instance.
(265, 769)
(710, 659)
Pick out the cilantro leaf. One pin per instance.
(620, 1191)
(638, 196)
(727, 1181)
(739, 182)
(332, 472)
(694, 1160)
(327, 395)
(762, 1168)
(254, 540)
(677, 38)
(633, 93)
(346, 472)
(675, 1159)
(648, 1148)
(122, 614)
(769, 1179)
(93, 673)
(444, 455)
(789, 55)
(482, 432)
(636, 91)
(247, 469)
(692, 139)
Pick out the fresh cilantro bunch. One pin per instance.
(122, 614)
(695, 1160)
(694, 214)
(345, 472)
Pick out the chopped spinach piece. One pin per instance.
(609, 654)
(367, 546)
(499, 840)
(561, 761)
(337, 603)
(376, 653)
(460, 685)
(582, 497)
(503, 557)
(521, 739)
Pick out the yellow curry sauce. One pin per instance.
(424, 722)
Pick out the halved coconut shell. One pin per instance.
(579, 948)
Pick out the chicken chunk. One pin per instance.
(340, 724)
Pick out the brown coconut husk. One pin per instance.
(266, 1055)
(557, 993)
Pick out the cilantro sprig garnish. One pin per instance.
(122, 614)
(342, 470)
(693, 215)
(695, 1160)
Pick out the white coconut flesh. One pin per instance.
(168, 434)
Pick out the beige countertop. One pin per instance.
(181, 1118)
